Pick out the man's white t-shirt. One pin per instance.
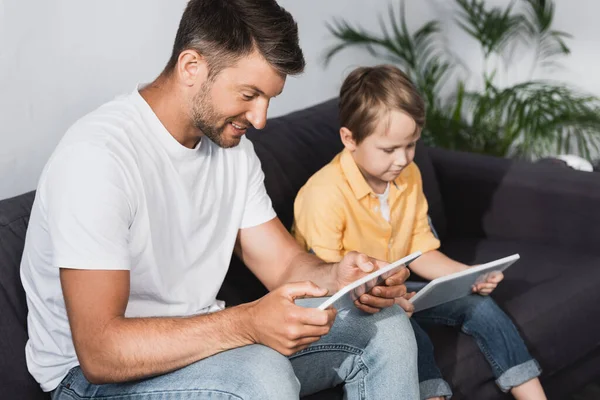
(120, 193)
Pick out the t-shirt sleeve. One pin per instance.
(423, 238)
(258, 208)
(88, 208)
(319, 222)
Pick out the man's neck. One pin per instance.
(169, 106)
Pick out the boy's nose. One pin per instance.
(401, 159)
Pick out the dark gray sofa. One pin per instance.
(482, 207)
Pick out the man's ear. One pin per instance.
(191, 68)
(347, 138)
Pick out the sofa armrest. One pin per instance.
(500, 198)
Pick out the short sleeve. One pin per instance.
(258, 208)
(85, 195)
(319, 222)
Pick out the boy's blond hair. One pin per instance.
(370, 91)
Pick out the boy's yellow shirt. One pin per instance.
(336, 211)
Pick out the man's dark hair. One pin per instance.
(223, 31)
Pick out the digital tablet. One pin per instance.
(460, 284)
(349, 293)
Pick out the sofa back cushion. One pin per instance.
(15, 380)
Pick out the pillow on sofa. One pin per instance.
(15, 380)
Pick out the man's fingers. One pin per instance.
(398, 278)
(302, 289)
(410, 295)
(364, 263)
(314, 316)
(406, 305)
(376, 302)
(366, 308)
(389, 292)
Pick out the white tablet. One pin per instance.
(349, 293)
(454, 286)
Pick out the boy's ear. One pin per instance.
(347, 138)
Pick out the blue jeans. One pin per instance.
(495, 334)
(374, 356)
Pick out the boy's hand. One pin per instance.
(355, 265)
(489, 284)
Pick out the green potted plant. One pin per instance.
(529, 119)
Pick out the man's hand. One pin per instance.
(355, 265)
(276, 322)
(489, 284)
(406, 305)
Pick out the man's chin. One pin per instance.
(229, 142)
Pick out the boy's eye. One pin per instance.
(413, 144)
(388, 151)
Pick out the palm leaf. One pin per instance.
(549, 43)
(493, 28)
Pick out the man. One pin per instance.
(136, 216)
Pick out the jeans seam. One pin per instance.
(485, 352)
(70, 392)
(328, 347)
(361, 380)
(345, 348)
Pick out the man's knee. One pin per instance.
(387, 333)
(395, 333)
(271, 375)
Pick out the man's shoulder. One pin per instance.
(108, 121)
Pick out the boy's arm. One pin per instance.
(434, 264)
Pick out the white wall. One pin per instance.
(60, 59)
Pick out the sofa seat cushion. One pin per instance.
(554, 309)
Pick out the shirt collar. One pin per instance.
(357, 181)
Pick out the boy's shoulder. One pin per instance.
(329, 179)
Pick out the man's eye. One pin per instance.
(247, 97)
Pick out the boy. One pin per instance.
(370, 199)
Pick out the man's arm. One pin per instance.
(280, 259)
(273, 255)
(112, 348)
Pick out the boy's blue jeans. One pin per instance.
(495, 334)
(374, 356)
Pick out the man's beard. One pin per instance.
(207, 120)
